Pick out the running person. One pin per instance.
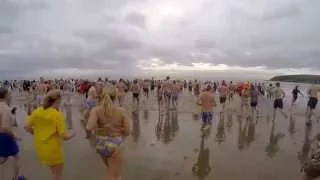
(145, 88)
(111, 126)
(153, 85)
(254, 99)
(135, 89)
(269, 91)
(190, 86)
(313, 100)
(8, 140)
(223, 91)
(41, 90)
(196, 89)
(121, 87)
(46, 125)
(231, 92)
(166, 89)
(207, 102)
(295, 92)
(159, 92)
(176, 89)
(245, 95)
(278, 95)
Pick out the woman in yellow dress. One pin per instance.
(111, 126)
(47, 125)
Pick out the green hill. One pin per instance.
(298, 78)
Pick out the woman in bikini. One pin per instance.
(111, 126)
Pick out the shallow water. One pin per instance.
(167, 144)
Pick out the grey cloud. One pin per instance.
(136, 19)
(286, 12)
(115, 34)
(12, 10)
(5, 29)
(204, 44)
(109, 41)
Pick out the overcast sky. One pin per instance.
(138, 37)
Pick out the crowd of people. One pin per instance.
(106, 121)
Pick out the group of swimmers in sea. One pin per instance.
(106, 121)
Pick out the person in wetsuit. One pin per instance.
(295, 93)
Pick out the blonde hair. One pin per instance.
(51, 97)
(106, 101)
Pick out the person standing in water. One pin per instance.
(8, 140)
(278, 95)
(207, 102)
(47, 126)
(111, 126)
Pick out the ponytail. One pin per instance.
(106, 101)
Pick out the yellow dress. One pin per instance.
(48, 127)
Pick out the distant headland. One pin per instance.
(301, 78)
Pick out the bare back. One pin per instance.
(117, 124)
(207, 101)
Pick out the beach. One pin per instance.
(166, 144)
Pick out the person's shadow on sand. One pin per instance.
(201, 168)
(136, 125)
(273, 145)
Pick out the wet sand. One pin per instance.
(167, 144)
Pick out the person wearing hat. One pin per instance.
(47, 126)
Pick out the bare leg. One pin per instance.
(16, 166)
(252, 111)
(56, 171)
(285, 115)
(120, 98)
(274, 114)
(115, 165)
